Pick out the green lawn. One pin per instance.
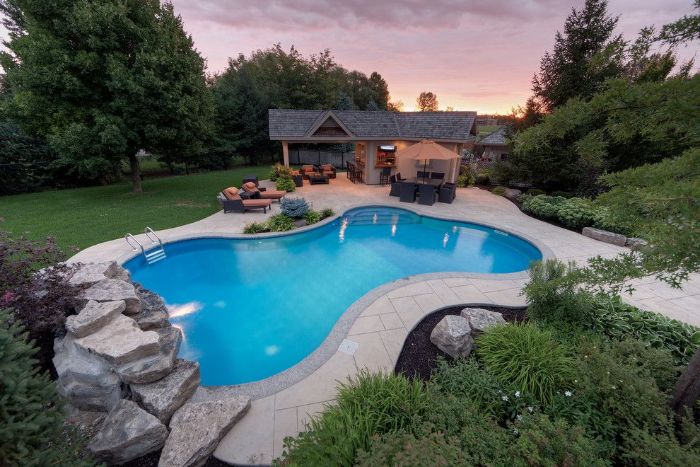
(84, 216)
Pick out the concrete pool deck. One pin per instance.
(376, 336)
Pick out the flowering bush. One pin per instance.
(40, 299)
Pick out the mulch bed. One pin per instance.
(419, 356)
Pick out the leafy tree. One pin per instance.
(102, 79)
(395, 106)
(25, 162)
(625, 126)
(686, 29)
(580, 62)
(427, 102)
(380, 91)
(31, 432)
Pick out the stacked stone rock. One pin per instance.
(119, 355)
(454, 334)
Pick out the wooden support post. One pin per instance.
(285, 153)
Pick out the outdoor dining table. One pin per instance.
(436, 182)
(411, 185)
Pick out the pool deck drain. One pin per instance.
(381, 320)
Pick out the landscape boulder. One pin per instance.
(127, 433)
(163, 397)
(604, 236)
(121, 341)
(481, 319)
(94, 316)
(154, 367)
(196, 429)
(154, 313)
(86, 380)
(636, 243)
(512, 194)
(88, 274)
(108, 290)
(452, 336)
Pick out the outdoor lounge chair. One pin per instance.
(264, 194)
(307, 170)
(426, 194)
(407, 192)
(328, 170)
(232, 201)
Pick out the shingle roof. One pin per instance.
(497, 138)
(458, 126)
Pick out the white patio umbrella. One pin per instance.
(427, 150)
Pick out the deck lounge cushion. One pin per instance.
(257, 203)
(250, 187)
(231, 193)
(272, 194)
(307, 168)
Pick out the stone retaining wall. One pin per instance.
(119, 356)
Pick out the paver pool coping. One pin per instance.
(329, 346)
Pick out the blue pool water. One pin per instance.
(250, 308)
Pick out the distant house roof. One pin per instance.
(497, 138)
(310, 125)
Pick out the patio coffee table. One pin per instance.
(316, 179)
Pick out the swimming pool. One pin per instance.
(252, 307)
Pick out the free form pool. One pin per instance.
(252, 307)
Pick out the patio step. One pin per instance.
(369, 218)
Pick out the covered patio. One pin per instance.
(379, 138)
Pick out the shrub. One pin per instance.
(543, 207)
(527, 357)
(368, 405)
(563, 194)
(40, 299)
(577, 213)
(326, 213)
(294, 207)
(256, 227)
(279, 170)
(535, 192)
(312, 217)
(285, 183)
(483, 178)
(404, 450)
(499, 190)
(464, 181)
(31, 431)
(280, 223)
(466, 379)
(542, 441)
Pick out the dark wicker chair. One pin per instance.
(426, 194)
(448, 192)
(395, 186)
(407, 192)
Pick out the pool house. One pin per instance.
(375, 138)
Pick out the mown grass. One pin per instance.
(85, 216)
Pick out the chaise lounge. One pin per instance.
(232, 202)
(251, 188)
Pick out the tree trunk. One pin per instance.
(687, 388)
(135, 173)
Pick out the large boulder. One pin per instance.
(121, 341)
(108, 290)
(86, 380)
(635, 243)
(154, 367)
(163, 397)
(196, 429)
(604, 236)
(154, 313)
(94, 316)
(452, 336)
(512, 194)
(128, 432)
(481, 319)
(88, 274)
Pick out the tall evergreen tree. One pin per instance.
(580, 61)
(101, 79)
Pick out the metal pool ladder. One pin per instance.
(153, 256)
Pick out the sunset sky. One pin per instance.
(475, 55)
